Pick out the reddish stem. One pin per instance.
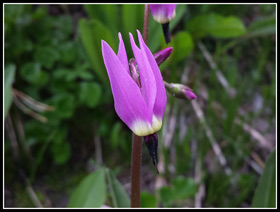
(136, 171)
(137, 141)
(146, 24)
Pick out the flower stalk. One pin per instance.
(136, 159)
(139, 96)
(136, 154)
(146, 24)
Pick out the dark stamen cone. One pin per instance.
(151, 142)
(166, 32)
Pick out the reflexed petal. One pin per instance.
(122, 54)
(163, 13)
(147, 79)
(128, 100)
(160, 101)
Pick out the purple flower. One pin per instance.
(140, 108)
(163, 13)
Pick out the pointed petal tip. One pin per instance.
(170, 48)
(104, 43)
(120, 36)
(131, 36)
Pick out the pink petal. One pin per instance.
(162, 55)
(128, 100)
(160, 101)
(147, 79)
(122, 54)
(163, 13)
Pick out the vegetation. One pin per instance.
(64, 145)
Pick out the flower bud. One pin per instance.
(180, 91)
(162, 55)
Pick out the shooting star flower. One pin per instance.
(163, 14)
(140, 108)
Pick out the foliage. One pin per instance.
(53, 54)
(91, 192)
(216, 25)
(9, 77)
(265, 195)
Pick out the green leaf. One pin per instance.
(40, 12)
(46, 56)
(35, 132)
(181, 189)
(91, 192)
(9, 78)
(64, 104)
(68, 52)
(166, 195)
(262, 27)
(184, 188)
(64, 74)
(16, 12)
(182, 44)
(107, 14)
(60, 135)
(61, 151)
(32, 73)
(115, 134)
(132, 19)
(90, 93)
(119, 196)
(148, 200)
(92, 32)
(265, 194)
(216, 25)
(64, 25)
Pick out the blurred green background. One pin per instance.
(66, 147)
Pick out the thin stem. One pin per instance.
(136, 170)
(146, 24)
(136, 154)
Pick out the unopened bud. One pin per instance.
(134, 72)
(162, 55)
(180, 91)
